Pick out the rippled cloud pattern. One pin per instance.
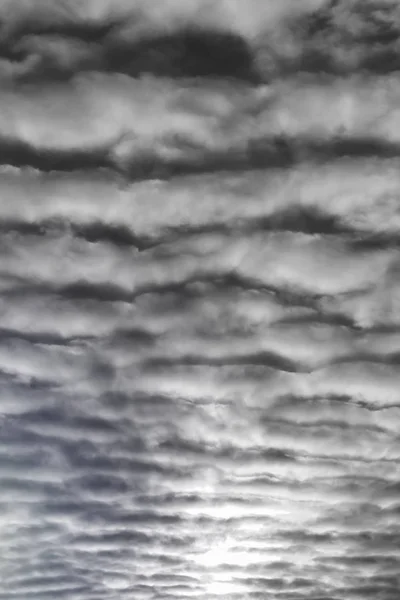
(199, 300)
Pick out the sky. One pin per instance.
(199, 300)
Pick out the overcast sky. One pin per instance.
(199, 300)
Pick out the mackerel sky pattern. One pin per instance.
(199, 300)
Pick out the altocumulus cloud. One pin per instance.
(199, 300)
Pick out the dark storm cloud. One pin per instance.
(41, 39)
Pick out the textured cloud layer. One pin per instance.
(199, 300)
(259, 40)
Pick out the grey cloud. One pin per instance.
(203, 38)
(198, 129)
(199, 293)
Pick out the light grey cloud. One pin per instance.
(159, 127)
(199, 300)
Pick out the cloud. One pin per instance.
(204, 38)
(199, 324)
(154, 127)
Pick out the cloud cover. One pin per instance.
(199, 301)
